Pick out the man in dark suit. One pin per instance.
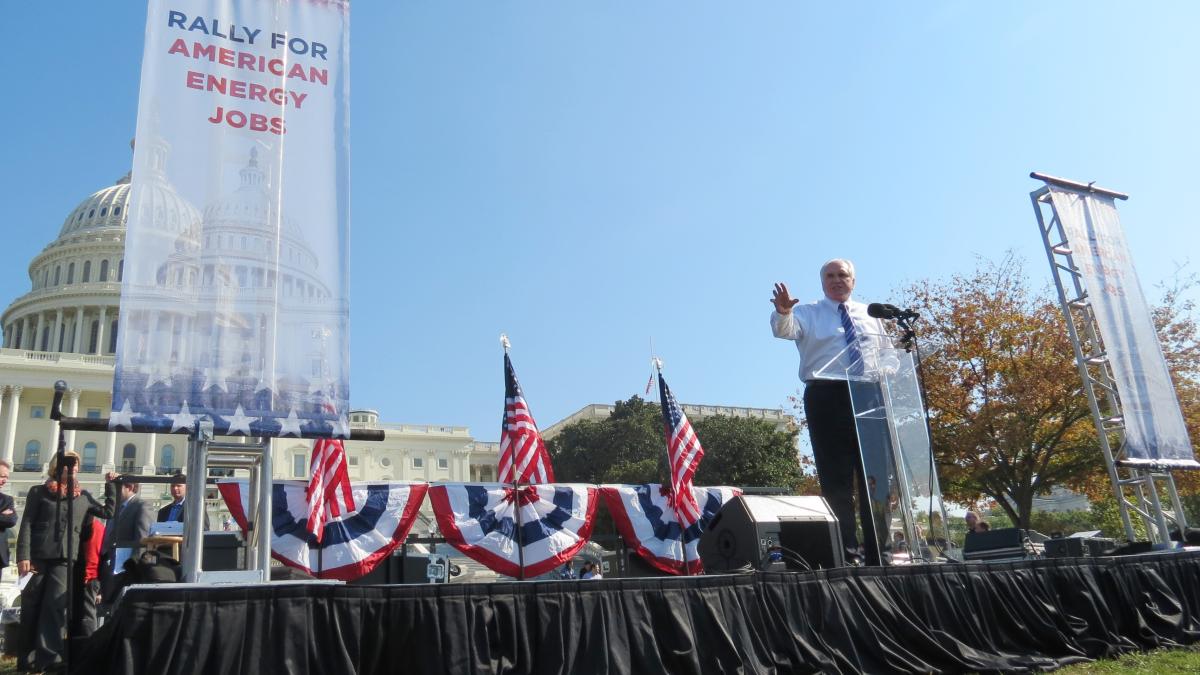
(8, 515)
(128, 527)
(175, 511)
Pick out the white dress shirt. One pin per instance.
(816, 328)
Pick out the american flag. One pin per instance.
(684, 453)
(523, 456)
(328, 490)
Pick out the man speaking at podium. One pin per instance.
(822, 330)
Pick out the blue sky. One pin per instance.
(589, 177)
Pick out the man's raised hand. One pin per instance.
(782, 300)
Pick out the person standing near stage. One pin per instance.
(973, 522)
(175, 511)
(42, 551)
(8, 515)
(822, 330)
(128, 527)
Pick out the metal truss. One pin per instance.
(1135, 487)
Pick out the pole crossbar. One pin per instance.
(102, 424)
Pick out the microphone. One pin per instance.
(879, 310)
(60, 388)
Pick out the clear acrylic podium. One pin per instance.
(908, 514)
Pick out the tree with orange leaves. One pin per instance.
(1006, 402)
(1006, 405)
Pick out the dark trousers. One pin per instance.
(831, 428)
(84, 618)
(43, 617)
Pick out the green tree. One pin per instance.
(746, 451)
(629, 447)
(625, 447)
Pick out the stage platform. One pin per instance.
(1030, 615)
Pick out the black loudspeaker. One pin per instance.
(756, 531)
(1079, 547)
(222, 551)
(397, 569)
(1009, 543)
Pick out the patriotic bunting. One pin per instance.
(351, 544)
(481, 521)
(647, 521)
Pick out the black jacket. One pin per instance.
(43, 534)
(164, 515)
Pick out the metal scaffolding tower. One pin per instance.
(1136, 488)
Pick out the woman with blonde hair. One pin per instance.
(42, 549)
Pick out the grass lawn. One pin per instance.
(1186, 660)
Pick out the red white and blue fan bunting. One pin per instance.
(352, 544)
(480, 520)
(649, 525)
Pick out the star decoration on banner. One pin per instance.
(160, 373)
(290, 425)
(214, 377)
(239, 423)
(122, 417)
(182, 419)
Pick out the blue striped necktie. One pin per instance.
(851, 335)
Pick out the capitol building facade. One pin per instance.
(66, 326)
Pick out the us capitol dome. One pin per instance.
(65, 327)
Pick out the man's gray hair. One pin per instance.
(6, 464)
(849, 265)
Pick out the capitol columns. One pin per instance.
(10, 431)
(148, 468)
(72, 411)
(110, 453)
(100, 332)
(77, 338)
(56, 334)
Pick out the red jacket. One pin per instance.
(91, 552)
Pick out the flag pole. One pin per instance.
(516, 483)
(658, 364)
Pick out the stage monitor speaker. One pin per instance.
(1079, 547)
(753, 531)
(1009, 543)
(1066, 547)
(397, 569)
(222, 551)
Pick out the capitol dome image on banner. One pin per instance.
(234, 303)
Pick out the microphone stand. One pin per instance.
(65, 477)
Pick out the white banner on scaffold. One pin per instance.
(1155, 432)
(234, 284)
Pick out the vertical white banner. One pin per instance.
(234, 297)
(1154, 427)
